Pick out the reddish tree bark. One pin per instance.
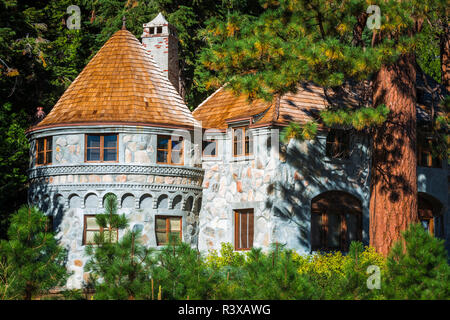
(445, 57)
(393, 199)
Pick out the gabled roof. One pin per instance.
(223, 107)
(220, 109)
(120, 85)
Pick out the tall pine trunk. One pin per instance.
(445, 57)
(393, 198)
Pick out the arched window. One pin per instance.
(336, 220)
(430, 215)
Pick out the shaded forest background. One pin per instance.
(40, 57)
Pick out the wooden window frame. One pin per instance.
(45, 151)
(216, 148)
(102, 147)
(100, 229)
(169, 150)
(427, 211)
(337, 145)
(427, 151)
(167, 229)
(250, 229)
(245, 139)
(327, 205)
(324, 228)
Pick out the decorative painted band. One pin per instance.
(162, 170)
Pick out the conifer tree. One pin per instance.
(181, 273)
(273, 275)
(31, 257)
(417, 267)
(119, 269)
(327, 42)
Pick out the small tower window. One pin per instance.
(152, 30)
(170, 151)
(44, 151)
(168, 228)
(101, 148)
(91, 229)
(159, 30)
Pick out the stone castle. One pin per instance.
(218, 174)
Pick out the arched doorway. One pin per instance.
(336, 220)
(430, 214)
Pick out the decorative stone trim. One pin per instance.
(126, 186)
(115, 169)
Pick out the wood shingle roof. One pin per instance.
(120, 85)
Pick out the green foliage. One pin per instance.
(118, 270)
(273, 276)
(417, 267)
(339, 276)
(32, 262)
(227, 257)
(181, 273)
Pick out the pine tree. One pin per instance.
(181, 273)
(273, 275)
(33, 260)
(119, 269)
(417, 267)
(327, 42)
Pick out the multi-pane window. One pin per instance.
(170, 150)
(430, 216)
(243, 229)
(337, 145)
(101, 148)
(91, 228)
(44, 151)
(209, 148)
(335, 221)
(167, 228)
(426, 154)
(242, 142)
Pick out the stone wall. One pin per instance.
(70, 188)
(278, 186)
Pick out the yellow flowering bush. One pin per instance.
(227, 257)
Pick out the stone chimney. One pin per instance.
(160, 39)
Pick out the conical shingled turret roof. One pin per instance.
(120, 85)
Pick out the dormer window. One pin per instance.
(337, 145)
(101, 148)
(44, 151)
(242, 142)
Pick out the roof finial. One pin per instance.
(124, 21)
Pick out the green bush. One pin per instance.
(417, 267)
